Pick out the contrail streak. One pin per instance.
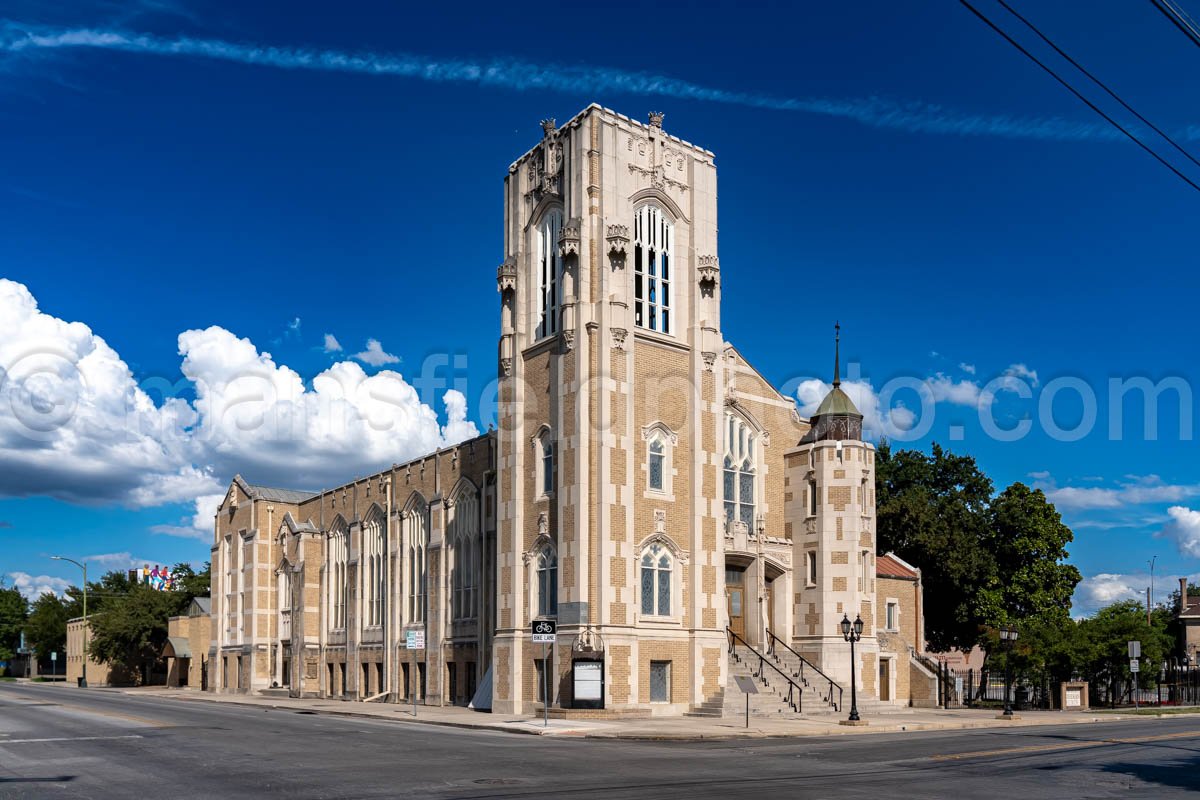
(525, 76)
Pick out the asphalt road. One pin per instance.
(69, 743)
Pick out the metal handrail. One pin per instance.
(795, 695)
(804, 662)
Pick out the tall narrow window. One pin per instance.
(653, 245)
(656, 581)
(549, 271)
(812, 567)
(547, 578)
(338, 552)
(546, 472)
(812, 498)
(418, 538)
(465, 536)
(373, 562)
(656, 456)
(740, 471)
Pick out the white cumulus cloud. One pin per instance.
(1096, 591)
(375, 355)
(1184, 530)
(76, 426)
(332, 345)
(32, 587)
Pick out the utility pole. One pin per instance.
(87, 628)
(1150, 591)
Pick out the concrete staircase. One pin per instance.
(788, 686)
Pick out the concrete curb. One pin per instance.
(906, 727)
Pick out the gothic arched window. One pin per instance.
(653, 244)
(741, 461)
(464, 554)
(338, 553)
(418, 538)
(373, 558)
(656, 581)
(549, 274)
(547, 582)
(545, 473)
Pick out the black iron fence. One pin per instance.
(1173, 685)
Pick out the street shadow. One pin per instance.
(58, 779)
(1183, 774)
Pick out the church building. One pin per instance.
(647, 489)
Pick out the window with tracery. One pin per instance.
(418, 539)
(653, 243)
(373, 569)
(464, 554)
(547, 582)
(656, 581)
(549, 275)
(338, 554)
(741, 454)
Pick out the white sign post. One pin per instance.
(414, 641)
(544, 632)
(1135, 652)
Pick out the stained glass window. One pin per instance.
(656, 581)
(660, 681)
(656, 459)
(740, 473)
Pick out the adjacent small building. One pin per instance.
(1189, 622)
(186, 650)
(99, 673)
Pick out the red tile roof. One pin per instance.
(890, 566)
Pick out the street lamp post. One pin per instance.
(852, 632)
(86, 625)
(1008, 638)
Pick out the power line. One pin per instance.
(1099, 83)
(1082, 99)
(1179, 18)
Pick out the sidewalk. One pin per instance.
(663, 728)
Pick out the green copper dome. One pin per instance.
(837, 403)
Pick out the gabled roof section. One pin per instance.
(271, 494)
(892, 566)
(299, 527)
(743, 360)
(200, 607)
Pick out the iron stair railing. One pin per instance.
(795, 692)
(775, 642)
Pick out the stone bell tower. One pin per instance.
(609, 344)
(833, 522)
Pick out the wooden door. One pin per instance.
(885, 682)
(735, 598)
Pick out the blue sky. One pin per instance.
(203, 183)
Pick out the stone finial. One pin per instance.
(656, 119)
(548, 127)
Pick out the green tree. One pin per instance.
(1103, 658)
(191, 583)
(46, 629)
(1031, 583)
(13, 613)
(932, 512)
(130, 630)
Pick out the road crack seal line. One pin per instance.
(1049, 748)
